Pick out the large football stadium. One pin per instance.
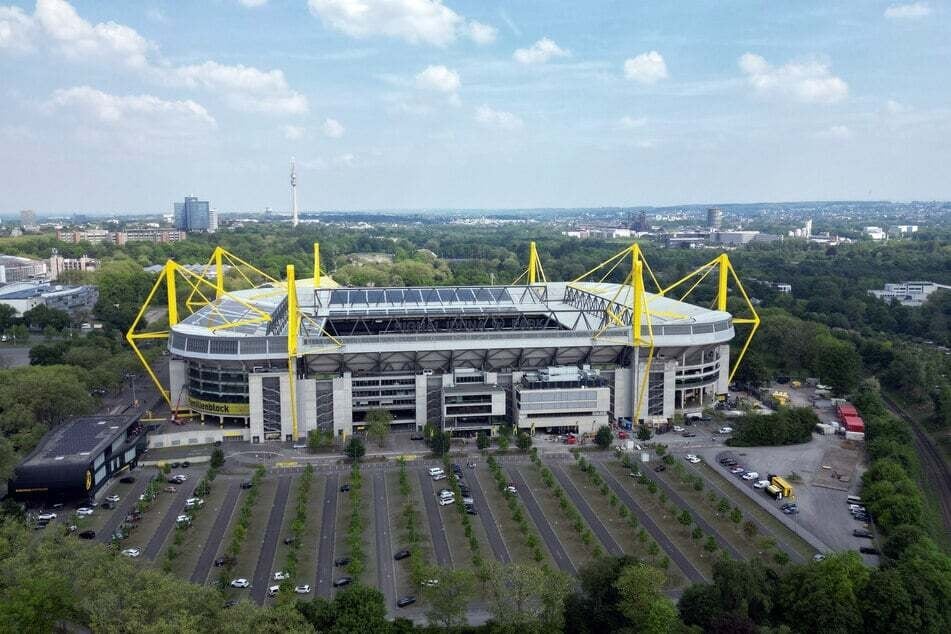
(281, 357)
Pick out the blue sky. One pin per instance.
(389, 104)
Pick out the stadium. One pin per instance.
(284, 357)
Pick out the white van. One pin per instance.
(447, 501)
(445, 494)
(853, 499)
(435, 471)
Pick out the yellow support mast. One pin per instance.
(293, 321)
(316, 265)
(532, 263)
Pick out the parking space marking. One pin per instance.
(325, 547)
(262, 573)
(492, 531)
(607, 540)
(436, 526)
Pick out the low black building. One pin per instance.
(77, 457)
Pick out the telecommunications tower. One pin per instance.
(294, 191)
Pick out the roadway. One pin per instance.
(610, 544)
(167, 525)
(492, 531)
(691, 571)
(436, 527)
(272, 532)
(128, 496)
(216, 536)
(384, 546)
(544, 526)
(325, 548)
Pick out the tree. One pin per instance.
(378, 425)
(523, 441)
(684, 518)
(643, 433)
(482, 441)
(603, 438)
(646, 608)
(448, 600)
(217, 458)
(355, 448)
(359, 608)
(503, 442)
(441, 443)
(824, 597)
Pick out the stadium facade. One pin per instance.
(289, 356)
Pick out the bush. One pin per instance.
(788, 426)
(604, 437)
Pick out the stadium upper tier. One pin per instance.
(253, 323)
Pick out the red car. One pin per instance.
(571, 440)
(622, 434)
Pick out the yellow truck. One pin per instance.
(784, 487)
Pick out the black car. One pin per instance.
(176, 465)
(470, 510)
(402, 602)
(107, 505)
(247, 485)
(343, 581)
(341, 561)
(222, 561)
(288, 540)
(416, 437)
(868, 550)
(127, 479)
(861, 532)
(344, 488)
(186, 464)
(660, 467)
(87, 535)
(724, 460)
(689, 434)
(403, 554)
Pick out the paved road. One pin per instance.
(698, 520)
(589, 515)
(488, 521)
(128, 496)
(272, 533)
(167, 525)
(217, 534)
(436, 527)
(544, 527)
(693, 574)
(325, 547)
(384, 546)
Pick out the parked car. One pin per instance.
(273, 590)
(416, 437)
(467, 500)
(240, 583)
(405, 601)
(342, 581)
(660, 467)
(868, 550)
(435, 471)
(341, 561)
(170, 489)
(511, 489)
(186, 464)
(439, 476)
(694, 460)
(192, 503)
(183, 520)
(689, 434)
(725, 430)
(247, 485)
(863, 533)
(344, 487)
(737, 470)
(127, 479)
(288, 541)
(761, 484)
(87, 535)
(107, 505)
(750, 475)
(471, 510)
(113, 498)
(223, 561)
(46, 517)
(280, 575)
(84, 511)
(302, 589)
(818, 557)
(176, 465)
(402, 554)
(678, 428)
(132, 552)
(446, 501)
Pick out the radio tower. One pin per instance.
(294, 190)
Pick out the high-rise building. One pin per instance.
(212, 220)
(193, 215)
(714, 218)
(294, 219)
(28, 220)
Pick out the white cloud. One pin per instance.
(132, 111)
(156, 15)
(911, 10)
(415, 21)
(293, 132)
(16, 30)
(438, 78)
(540, 52)
(646, 68)
(501, 119)
(56, 25)
(251, 4)
(836, 132)
(333, 128)
(481, 33)
(808, 81)
(632, 123)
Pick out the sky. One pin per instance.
(470, 104)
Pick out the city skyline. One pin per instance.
(466, 105)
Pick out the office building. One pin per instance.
(714, 218)
(14, 268)
(908, 293)
(193, 215)
(28, 220)
(24, 296)
(59, 264)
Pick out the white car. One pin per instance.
(280, 575)
(725, 430)
(240, 583)
(434, 471)
(511, 489)
(439, 476)
(761, 484)
(84, 511)
(180, 476)
(131, 552)
(46, 517)
(302, 589)
(694, 460)
(113, 498)
(446, 501)
(750, 475)
(431, 583)
(191, 503)
(183, 519)
(678, 428)
(690, 456)
(273, 590)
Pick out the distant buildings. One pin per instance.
(119, 238)
(59, 264)
(907, 293)
(697, 239)
(874, 233)
(14, 268)
(195, 215)
(28, 220)
(804, 232)
(714, 218)
(24, 296)
(901, 231)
